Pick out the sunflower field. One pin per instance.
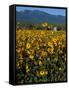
(40, 56)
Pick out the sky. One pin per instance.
(48, 10)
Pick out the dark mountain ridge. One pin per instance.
(37, 16)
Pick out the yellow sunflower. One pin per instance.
(28, 45)
(46, 72)
(50, 44)
(42, 73)
(31, 56)
(50, 50)
(43, 53)
(40, 63)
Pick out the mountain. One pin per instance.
(36, 16)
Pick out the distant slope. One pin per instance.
(37, 16)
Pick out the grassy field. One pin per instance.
(41, 55)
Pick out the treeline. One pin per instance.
(40, 26)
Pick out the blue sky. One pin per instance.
(48, 10)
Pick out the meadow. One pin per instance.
(40, 56)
